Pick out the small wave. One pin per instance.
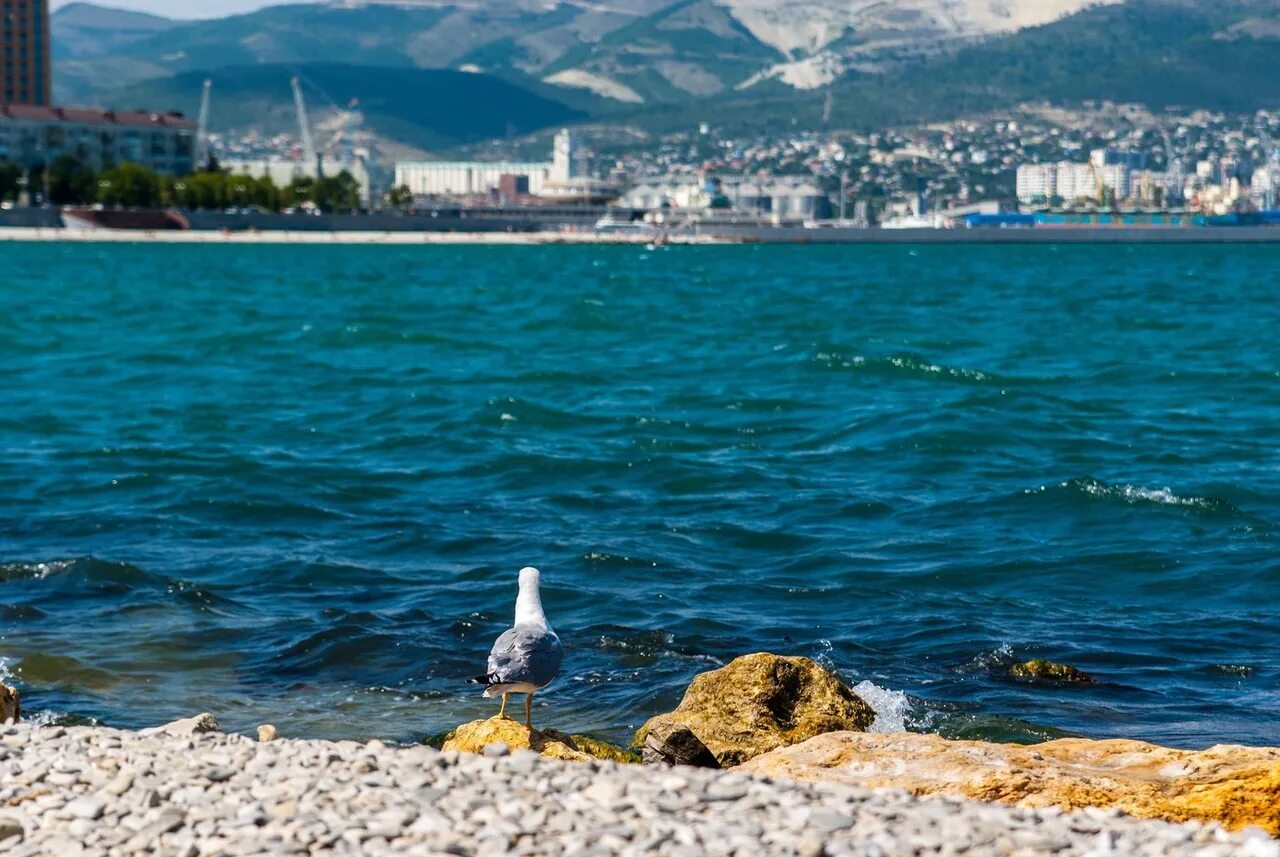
(647, 646)
(996, 660)
(34, 570)
(1235, 670)
(1136, 495)
(892, 707)
(905, 364)
(65, 672)
(86, 570)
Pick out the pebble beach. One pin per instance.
(72, 791)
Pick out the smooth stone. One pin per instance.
(201, 723)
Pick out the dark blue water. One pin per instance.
(295, 484)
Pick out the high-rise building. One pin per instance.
(24, 53)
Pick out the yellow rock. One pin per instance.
(475, 736)
(10, 704)
(758, 703)
(1236, 786)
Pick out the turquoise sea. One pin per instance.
(295, 484)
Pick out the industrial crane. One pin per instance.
(202, 128)
(1174, 175)
(309, 155)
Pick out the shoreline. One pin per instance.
(186, 789)
(751, 236)
(187, 236)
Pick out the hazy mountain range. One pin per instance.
(666, 62)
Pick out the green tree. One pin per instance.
(301, 190)
(129, 186)
(338, 193)
(400, 197)
(72, 182)
(10, 182)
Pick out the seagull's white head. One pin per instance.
(529, 601)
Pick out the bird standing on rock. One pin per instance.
(527, 657)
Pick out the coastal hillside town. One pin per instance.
(1090, 161)
(1096, 158)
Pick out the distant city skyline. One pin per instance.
(181, 8)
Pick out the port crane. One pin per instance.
(309, 156)
(1175, 177)
(202, 128)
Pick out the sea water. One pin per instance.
(296, 484)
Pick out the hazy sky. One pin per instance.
(183, 8)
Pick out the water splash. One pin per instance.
(892, 707)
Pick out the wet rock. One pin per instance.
(1236, 786)
(187, 726)
(10, 704)
(267, 732)
(668, 743)
(1047, 671)
(761, 702)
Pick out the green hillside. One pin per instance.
(425, 108)
(684, 57)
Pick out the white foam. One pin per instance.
(892, 707)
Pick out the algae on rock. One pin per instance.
(473, 737)
(1047, 671)
(758, 703)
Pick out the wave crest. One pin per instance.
(1089, 488)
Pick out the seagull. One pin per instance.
(527, 657)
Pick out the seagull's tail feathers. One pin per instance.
(492, 683)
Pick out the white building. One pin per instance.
(1265, 188)
(568, 159)
(567, 174)
(778, 198)
(1116, 178)
(468, 178)
(1037, 182)
(1077, 181)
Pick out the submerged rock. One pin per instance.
(761, 702)
(1048, 671)
(1236, 786)
(474, 737)
(10, 704)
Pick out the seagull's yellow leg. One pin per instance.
(528, 711)
(502, 712)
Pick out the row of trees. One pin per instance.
(70, 182)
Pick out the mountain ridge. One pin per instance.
(646, 50)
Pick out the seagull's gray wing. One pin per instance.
(525, 654)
